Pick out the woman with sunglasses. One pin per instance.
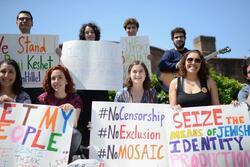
(194, 87)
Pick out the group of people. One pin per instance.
(193, 87)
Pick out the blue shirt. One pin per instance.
(243, 93)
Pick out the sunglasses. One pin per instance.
(196, 60)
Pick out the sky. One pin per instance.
(227, 20)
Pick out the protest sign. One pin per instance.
(33, 53)
(94, 65)
(34, 135)
(135, 48)
(153, 135)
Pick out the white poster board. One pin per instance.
(153, 135)
(135, 48)
(34, 135)
(94, 65)
(34, 54)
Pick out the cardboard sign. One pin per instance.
(94, 65)
(34, 135)
(34, 54)
(135, 48)
(153, 135)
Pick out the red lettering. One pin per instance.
(217, 116)
(176, 121)
(186, 119)
(208, 114)
(20, 43)
(34, 143)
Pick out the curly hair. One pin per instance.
(203, 73)
(70, 87)
(178, 30)
(17, 85)
(96, 29)
(147, 81)
(130, 21)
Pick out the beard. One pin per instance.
(179, 45)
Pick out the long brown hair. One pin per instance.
(203, 73)
(69, 88)
(147, 81)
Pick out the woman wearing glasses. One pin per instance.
(194, 87)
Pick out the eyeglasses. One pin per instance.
(24, 18)
(196, 60)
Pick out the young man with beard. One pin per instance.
(170, 60)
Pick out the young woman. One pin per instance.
(137, 86)
(11, 89)
(59, 91)
(194, 87)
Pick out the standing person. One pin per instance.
(194, 87)
(11, 89)
(244, 92)
(90, 32)
(24, 21)
(170, 59)
(59, 91)
(137, 86)
(131, 26)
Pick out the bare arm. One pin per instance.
(214, 92)
(173, 92)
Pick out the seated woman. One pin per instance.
(194, 87)
(11, 89)
(137, 84)
(59, 91)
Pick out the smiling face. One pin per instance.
(7, 75)
(131, 29)
(89, 33)
(24, 23)
(193, 63)
(137, 74)
(58, 81)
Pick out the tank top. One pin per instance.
(202, 98)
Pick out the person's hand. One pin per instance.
(235, 103)
(176, 107)
(66, 107)
(89, 126)
(59, 52)
(5, 98)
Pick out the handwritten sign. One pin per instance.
(34, 54)
(94, 65)
(128, 134)
(135, 48)
(34, 135)
(153, 135)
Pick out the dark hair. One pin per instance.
(130, 21)
(178, 30)
(245, 64)
(203, 73)
(26, 12)
(47, 80)
(17, 85)
(94, 27)
(146, 83)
